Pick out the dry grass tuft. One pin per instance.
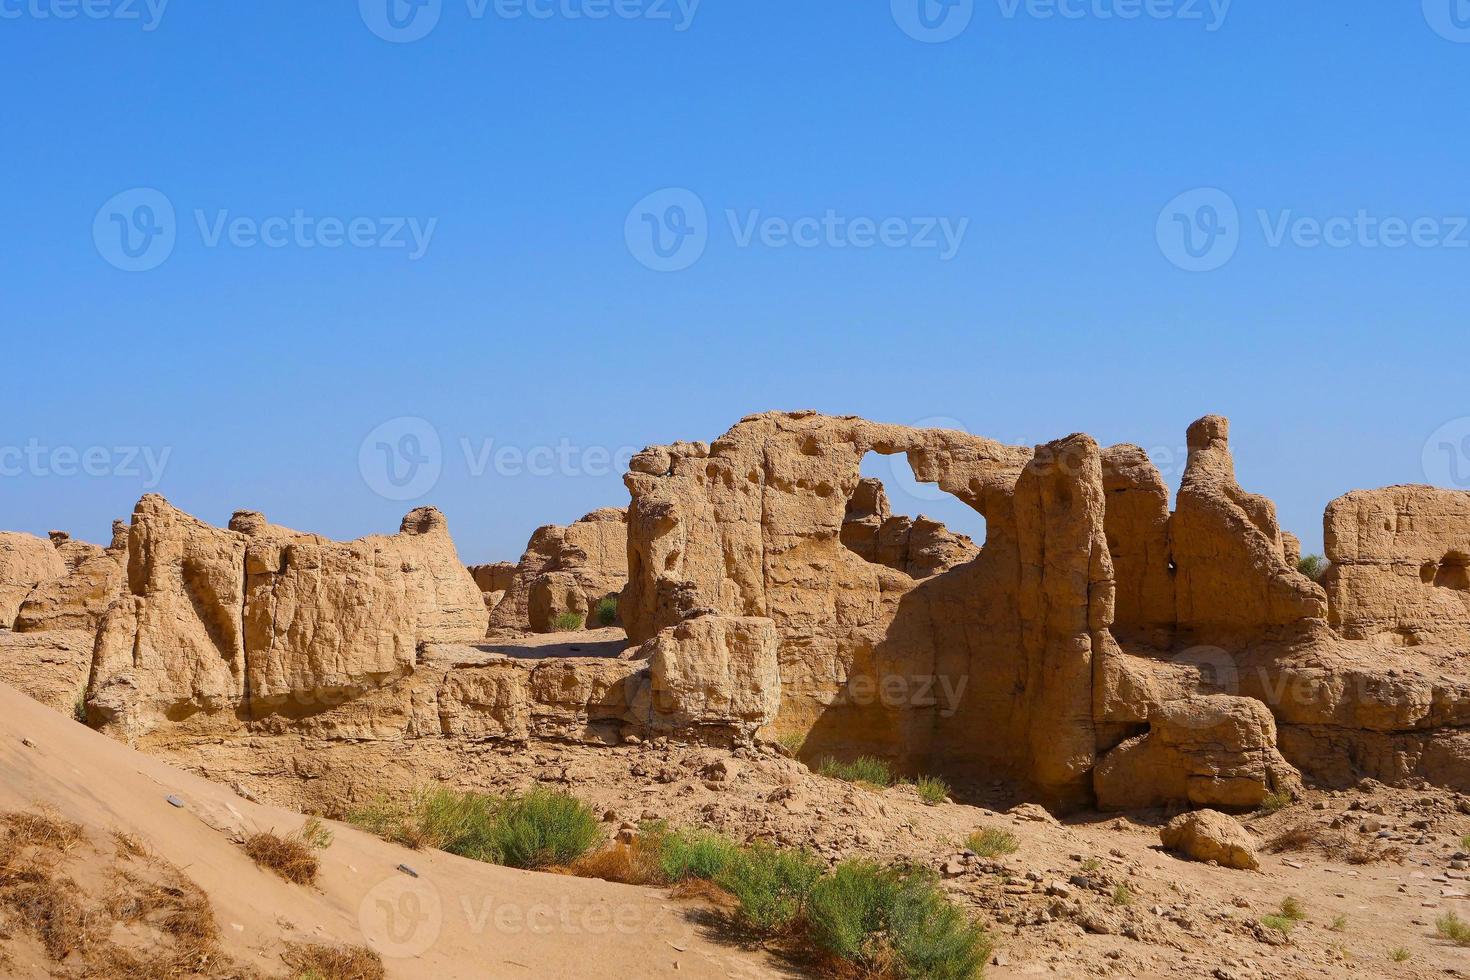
(289, 857)
(43, 828)
(309, 961)
(637, 863)
(1307, 835)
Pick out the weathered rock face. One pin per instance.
(48, 667)
(1232, 582)
(918, 547)
(1400, 572)
(1137, 526)
(25, 562)
(711, 671)
(593, 551)
(257, 619)
(1216, 751)
(556, 602)
(78, 599)
(1210, 836)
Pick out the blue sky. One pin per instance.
(526, 315)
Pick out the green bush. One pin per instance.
(540, 829)
(1312, 566)
(771, 885)
(1450, 926)
(686, 855)
(1399, 955)
(568, 622)
(989, 842)
(863, 769)
(606, 611)
(1280, 923)
(932, 789)
(1275, 802)
(1292, 908)
(1122, 895)
(874, 917)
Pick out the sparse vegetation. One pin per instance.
(605, 613)
(1122, 895)
(1465, 843)
(568, 622)
(1292, 908)
(1450, 926)
(1339, 924)
(707, 856)
(538, 830)
(932, 790)
(79, 707)
(1312, 566)
(865, 769)
(310, 961)
(771, 885)
(1280, 923)
(894, 921)
(1092, 865)
(292, 857)
(1275, 802)
(989, 842)
(1305, 835)
(792, 742)
(1399, 954)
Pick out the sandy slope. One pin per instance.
(458, 918)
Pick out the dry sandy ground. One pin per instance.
(457, 918)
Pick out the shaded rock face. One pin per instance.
(593, 552)
(1400, 572)
(25, 562)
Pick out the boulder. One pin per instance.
(78, 599)
(712, 671)
(554, 600)
(1207, 835)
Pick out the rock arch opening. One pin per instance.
(919, 546)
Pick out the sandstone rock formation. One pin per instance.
(593, 552)
(78, 599)
(919, 547)
(25, 562)
(711, 671)
(1208, 835)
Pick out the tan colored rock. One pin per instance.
(78, 599)
(919, 547)
(556, 598)
(594, 551)
(25, 562)
(49, 667)
(712, 671)
(1232, 581)
(1207, 835)
(1400, 572)
(1137, 525)
(1214, 750)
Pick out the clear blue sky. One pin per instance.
(529, 319)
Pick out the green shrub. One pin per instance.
(1122, 895)
(792, 742)
(1339, 924)
(1292, 908)
(606, 611)
(1465, 843)
(1275, 802)
(568, 622)
(686, 855)
(1312, 566)
(541, 829)
(932, 790)
(1280, 923)
(79, 707)
(1450, 926)
(872, 916)
(989, 842)
(1092, 865)
(1399, 955)
(771, 885)
(863, 769)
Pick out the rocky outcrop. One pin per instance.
(1207, 835)
(1215, 750)
(918, 546)
(593, 551)
(712, 671)
(557, 602)
(1400, 572)
(25, 562)
(78, 599)
(256, 618)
